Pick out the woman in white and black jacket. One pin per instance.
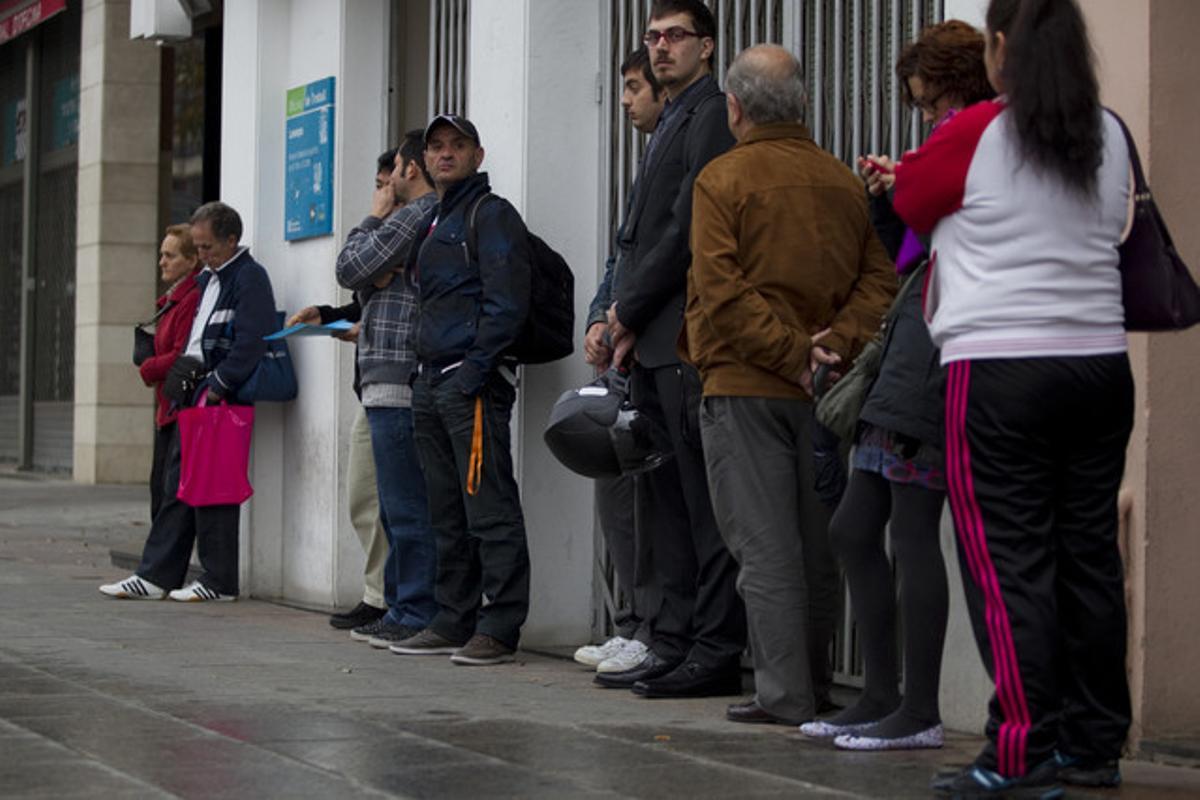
(1027, 199)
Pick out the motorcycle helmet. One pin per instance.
(596, 432)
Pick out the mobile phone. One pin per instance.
(880, 168)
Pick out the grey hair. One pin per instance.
(223, 220)
(768, 94)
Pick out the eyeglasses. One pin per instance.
(673, 35)
(928, 104)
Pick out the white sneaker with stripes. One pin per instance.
(591, 655)
(133, 588)
(629, 657)
(197, 592)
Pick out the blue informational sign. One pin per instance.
(308, 204)
(65, 113)
(64, 127)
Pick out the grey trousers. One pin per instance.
(758, 451)
(630, 554)
(362, 496)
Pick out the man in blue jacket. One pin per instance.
(474, 300)
(237, 309)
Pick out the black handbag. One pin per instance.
(1157, 289)
(182, 380)
(838, 406)
(143, 336)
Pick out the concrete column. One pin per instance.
(1170, 518)
(532, 92)
(116, 244)
(1146, 63)
(297, 543)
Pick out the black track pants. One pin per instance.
(1035, 452)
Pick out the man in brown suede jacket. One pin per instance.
(783, 256)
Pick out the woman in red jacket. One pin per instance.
(180, 264)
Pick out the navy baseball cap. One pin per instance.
(460, 124)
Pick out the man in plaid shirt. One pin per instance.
(369, 264)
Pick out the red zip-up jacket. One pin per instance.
(170, 340)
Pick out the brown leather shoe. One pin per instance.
(482, 650)
(752, 712)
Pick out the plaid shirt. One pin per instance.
(373, 249)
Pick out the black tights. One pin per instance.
(857, 534)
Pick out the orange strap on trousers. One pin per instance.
(475, 465)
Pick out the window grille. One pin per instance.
(448, 35)
(848, 49)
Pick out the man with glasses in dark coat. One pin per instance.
(699, 628)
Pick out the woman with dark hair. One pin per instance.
(898, 480)
(1027, 198)
(179, 264)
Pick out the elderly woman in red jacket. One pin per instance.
(179, 262)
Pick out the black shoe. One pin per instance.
(692, 679)
(363, 633)
(650, 667)
(752, 712)
(1085, 772)
(1040, 783)
(826, 706)
(389, 634)
(361, 614)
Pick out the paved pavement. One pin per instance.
(100, 698)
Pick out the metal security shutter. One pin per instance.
(12, 100)
(54, 300)
(849, 50)
(448, 35)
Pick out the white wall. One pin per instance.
(532, 94)
(532, 76)
(971, 11)
(296, 539)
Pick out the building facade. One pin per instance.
(181, 102)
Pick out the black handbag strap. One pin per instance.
(166, 307)
(1140, 185)
(1142, 198)
(902, 294)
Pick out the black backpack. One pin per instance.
(549, 332)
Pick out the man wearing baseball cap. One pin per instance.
(473, 269)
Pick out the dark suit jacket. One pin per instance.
(652, 284)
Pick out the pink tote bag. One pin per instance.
(214, 444)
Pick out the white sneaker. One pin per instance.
(592, 654)
(133, 588)
(197, 592)
(630, 656)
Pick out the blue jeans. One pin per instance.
(411, 567)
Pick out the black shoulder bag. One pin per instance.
(1157, 289)
(143, 335)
